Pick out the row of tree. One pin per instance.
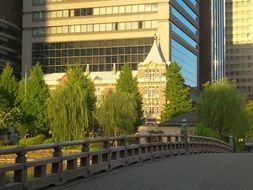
(71, 110)
(223, 111)
(23, 103)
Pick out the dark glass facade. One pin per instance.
(99, 55)
(11, 34)
(10, 46)
(184, 40)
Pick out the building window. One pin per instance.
(100, 55)
(94, 11)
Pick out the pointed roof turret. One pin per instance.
(87, 69)
(114, 68)
(155, 54)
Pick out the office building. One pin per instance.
(212, 40)
(101, 33)
(239, 44)
(10, 34)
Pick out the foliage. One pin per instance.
(117, 114)
(76, 75)
(177, 94)
(8, 87)
(49, 141)
(96, 146)
(126, 83)
(39, 139)
(9, 119)
(155, 132)
(31, 100)
(201, 130)
(222, 109)
(71, 106)
(249, 109)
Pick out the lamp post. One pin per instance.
(231, 142)
(183, 124)
(184, 132)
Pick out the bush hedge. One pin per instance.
(49, 141)
(39, 139)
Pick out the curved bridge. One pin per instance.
(114, 152)
(191, 172)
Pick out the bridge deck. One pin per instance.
(196, 172)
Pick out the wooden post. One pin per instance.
(106, 157)
(137, 140)
(85, 160)
(57, 167)
(122, 142)
(2, 179)
(186, 141)
(106, 144)
(20, 176)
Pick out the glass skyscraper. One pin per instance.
(184, 39)
(218, 39)
(212, 41)
(102, 33)
(239, 44)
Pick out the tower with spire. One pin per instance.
(152, 83)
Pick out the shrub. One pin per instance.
(201, 130)
(39, 139)
(22, 141)
(96, 146)
(49, 141)
(156, 132)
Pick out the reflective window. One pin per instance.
(183, 35)
(182, 19)
(187, 9)
(187, 61)
(100, 55)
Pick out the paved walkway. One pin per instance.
(191, 172)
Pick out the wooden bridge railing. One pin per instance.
(114, 152)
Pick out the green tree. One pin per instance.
(31, 100)
(8, 87)
(71, 107)
(117, 113)
(9, 119)
(76, 75)
(249, 109)
(202, 130)
(177, 94)
(126, 83)
(222, 109)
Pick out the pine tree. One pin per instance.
(31, 100)
(176, 93)
(8, 87)
(126, 83)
